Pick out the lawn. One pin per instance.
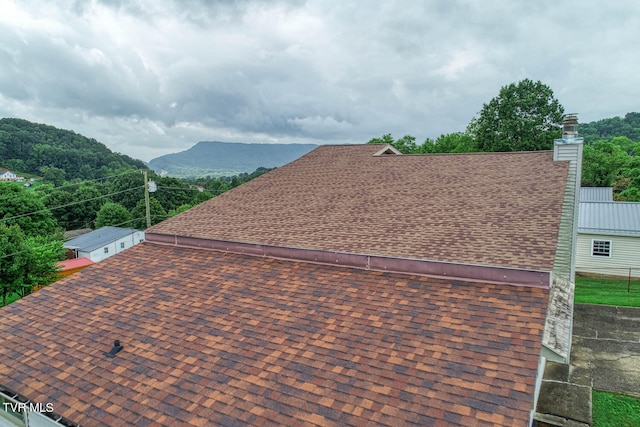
(615, 410)
(607, 291)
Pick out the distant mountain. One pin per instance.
(227, 158)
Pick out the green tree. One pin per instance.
(201, 196)
(86, 172)
(179, 210)
(458, 142)
(27, 261)
(112, 214)
(25, 209)
(12, 260)
(139, 213)
(60, 203)
(602, 163)
(173, 192)
(627, 187)
(88, 200)
(385, 139)
(525, 116)
(406, 144)
(629, 126)
(128, 189)
(41, 256)
(52, 175)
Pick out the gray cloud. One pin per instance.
(147, 77)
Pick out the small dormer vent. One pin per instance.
(388, 150)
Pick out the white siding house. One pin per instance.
(105, 242)
(6, 175)
(608, 238)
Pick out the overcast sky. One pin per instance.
(150, 77)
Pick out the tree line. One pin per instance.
(57, 154)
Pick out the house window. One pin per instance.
(106, 250)
(10, 412)
(121, 245)
(601, 248)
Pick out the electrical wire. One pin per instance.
(4, 197)
(95, 198)
(98, 179)
(68, 204)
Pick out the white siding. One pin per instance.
(625, 254)
(114, 247)
(564, 263)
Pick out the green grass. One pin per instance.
(615, 410)
(607, 291)
(10, 298)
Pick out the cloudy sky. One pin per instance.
(150, 77)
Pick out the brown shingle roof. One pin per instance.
(226, 339)
(497, 209)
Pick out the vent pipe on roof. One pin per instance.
(117, 347)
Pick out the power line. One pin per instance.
(97, 179)
(69, 204)
(8, 197)
(161, 187)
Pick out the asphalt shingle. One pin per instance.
(496, 209)
(226, 339)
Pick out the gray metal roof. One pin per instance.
(596, 194)
(609, 218)
(99, 238)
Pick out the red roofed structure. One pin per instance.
(72, 266)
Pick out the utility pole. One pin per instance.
(146, 198)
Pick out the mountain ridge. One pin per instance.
(217, 158)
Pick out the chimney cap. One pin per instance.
(570, 124)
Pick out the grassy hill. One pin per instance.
(33, 148)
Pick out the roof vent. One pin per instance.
(388, 149)
(117, 347)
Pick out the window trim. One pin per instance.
(604, 248)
